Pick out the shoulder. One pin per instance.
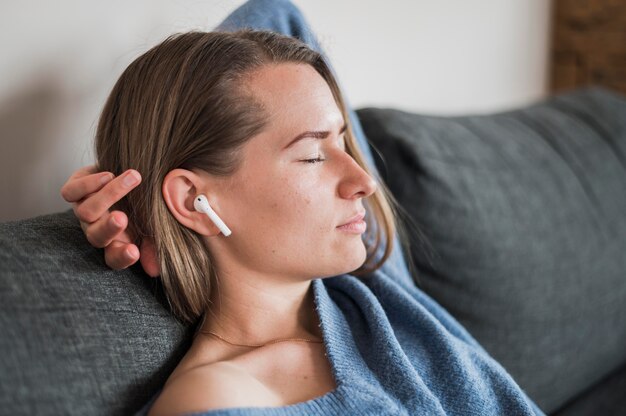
(215, 386)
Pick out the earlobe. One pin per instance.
(180, 187)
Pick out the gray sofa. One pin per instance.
(518, 227)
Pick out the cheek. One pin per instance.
(289, 222)
(299, 208)
(298, 202)
(291, 204)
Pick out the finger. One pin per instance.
(84, 171)
(78, 188)
(92, 208)
(119, 255)
(107, 228)
(149, 260)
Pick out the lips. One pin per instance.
(354, 219)
(354, 225)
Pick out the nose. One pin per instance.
(355, 182)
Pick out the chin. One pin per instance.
(352, 257)
(348, 265)
(356, 261)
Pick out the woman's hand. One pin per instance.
(91, 195)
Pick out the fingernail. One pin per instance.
(131, 179)
(115, 223)
(106, 178)
(131, 252)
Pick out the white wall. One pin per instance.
(437, 56)
(61, 58)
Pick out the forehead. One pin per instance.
(295, 96)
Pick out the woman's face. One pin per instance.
(284, 205)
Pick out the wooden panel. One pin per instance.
(588, 44)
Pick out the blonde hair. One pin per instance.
(181, 105)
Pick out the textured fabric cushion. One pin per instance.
(78, 337)
(606, 398)
(523, 222)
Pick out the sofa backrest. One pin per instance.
(78, 337)
(520, 230)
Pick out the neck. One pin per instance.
(256, 311)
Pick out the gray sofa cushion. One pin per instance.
(606, 398)
(78, 337)
(523, 218)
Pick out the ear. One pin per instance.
(180, 187)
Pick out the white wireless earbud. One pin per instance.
(201, 204)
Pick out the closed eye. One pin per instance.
(316, 160)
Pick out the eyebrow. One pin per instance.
(314, 134)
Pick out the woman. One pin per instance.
(255, 121)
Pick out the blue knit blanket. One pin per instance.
(394, 351)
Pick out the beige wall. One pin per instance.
(61, 58)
